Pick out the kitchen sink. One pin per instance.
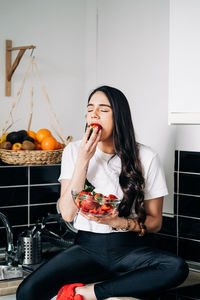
(10, 272)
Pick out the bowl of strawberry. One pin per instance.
(97, 204)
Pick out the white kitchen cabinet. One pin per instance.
(184, 62)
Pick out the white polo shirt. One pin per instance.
(103, 173)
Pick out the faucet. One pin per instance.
(10, 246)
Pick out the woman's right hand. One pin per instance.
(88, 146)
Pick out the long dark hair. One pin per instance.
(131, 177)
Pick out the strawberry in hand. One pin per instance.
(85, 194)
(92, 126)
(90, 202)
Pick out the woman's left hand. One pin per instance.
(111, 220)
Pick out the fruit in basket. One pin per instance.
(49, 143)
(6, 145)
(37, 145)
(12, 137)
(42, 133)
(16, 146)
(28, 138)
(31, 134)
(16, 136)
(59, 145)
(28, 145)
(3, 137)
(21, 135)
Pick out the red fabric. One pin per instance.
(67, 292)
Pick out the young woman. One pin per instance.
(111, 256)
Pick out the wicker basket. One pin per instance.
(31, 157)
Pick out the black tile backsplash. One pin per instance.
(37, 212)
(27, 194)
(163, 242)
(189, 162)
(176, 160)
(176, 197)
(189, 184)
(169, 225)
(44, 194)
(13, 196)
(189, 206)
(10, 176)
(189, 250)
(16, 215)
(189, 228)
(187, 203)
(175, 182)
(44, 174)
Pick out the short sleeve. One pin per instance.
(67, 163)
(155, 184)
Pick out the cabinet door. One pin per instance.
(184, 60)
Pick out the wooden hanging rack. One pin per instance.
(10, 68)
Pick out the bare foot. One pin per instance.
(86, 291)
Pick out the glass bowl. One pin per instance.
(95, 203)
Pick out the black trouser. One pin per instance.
(121, 264)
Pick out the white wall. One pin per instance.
(84, 43)
(57, 29)
(188, 138)
(131, 43)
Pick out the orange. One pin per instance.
(48, 143)
(37, 145)
(42, 133)
(31, 134)
(58, 145)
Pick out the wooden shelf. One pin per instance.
(10, 68)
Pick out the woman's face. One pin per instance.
(100, 112)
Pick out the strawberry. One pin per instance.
(83, 195)
(105, 207)
(78, 202)
(92, 126)
(99, 198)
(100, 211)
(87, 191)
(93, 211)
(111, 197)
(88, 204)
